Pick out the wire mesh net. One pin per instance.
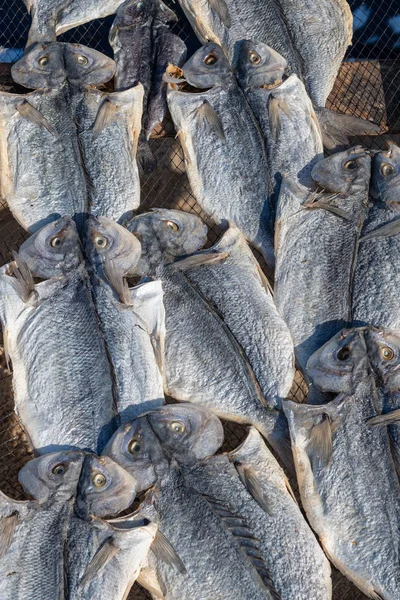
(367, 86)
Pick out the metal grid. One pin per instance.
(368, 85)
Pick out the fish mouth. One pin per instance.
(174, 77)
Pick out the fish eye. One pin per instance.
(254, 57)
(44, 60)
(177, 427)
(82, 60)
(58, 469)
(387, 170)
(210, 59)
(99, 480)
(100, 241)
(344, 353)
(350, 165)
(387, 353)
(55, 241)
(172, 226)
(134, 446)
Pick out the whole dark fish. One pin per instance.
(312, 41)
(376, 298)
(61, 376)
(132, 320)
(338, 456)
(204, 362)
(190, 520)
(237, 290)
(250, 484)
(43, 177)
(284, 111)
(143, 47)
(316, 242)
(34, 532)
(214, 123)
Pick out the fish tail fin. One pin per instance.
(336, 128)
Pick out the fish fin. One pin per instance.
(274, 105)
(5, 348)
(117, 282)
(243, 535)
(221, 9)
(153, 582)
(197, 260)
(386, 419)
(165, 552)
(265, 280)
(7, 529)
(182, 140)
(209, 120)
(65, 570)
(249, 479)
(105, 116)
(337, 127)
(335, 210)
(387, 230)
(29, 112)
(145, 158)
(102, 557)
(321, 439)
(23, 281)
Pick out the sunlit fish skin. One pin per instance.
(132, 320)
(204, 363)
(314, 52)
(316, 243)
(338, 456)
(283, 110)
(32, 561)
(61, 376)
(186, 515)
(214, 126)
(376, 298)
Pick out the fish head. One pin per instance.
(137, 449)
(132, 11)
(340, 364)
(164, 13)
(385, 183)
(104, 488)
(53, 250)
(186, 431)
(166, 234)
(208, 67)
(384, 354)
(112, 247)
(52, 476)
(86, 66)
(41, 67)
(343, 171)
(258, 65)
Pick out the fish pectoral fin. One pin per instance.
(22, 280)
(147, 300)
(335, 210)
(7, 528)
(153, 582)
(197, 260)
(321, 439)
(274, 106)
(164, 551)
(221, 9)
(386, 419)
(209, 120)
(104, 117)
(387, 230)
(30, 113)
(102, 557)
(250, 480)
(244, 536)
(117, 282)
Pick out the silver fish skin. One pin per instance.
(108, 126)
(239, 292)
(284, 112)
(61, 376)
(316, 245)
(377, 276)
(314, 52)
(32, 562)
(236, 576)
(213, 125)
(132, 320)
(338, 456)
(204, 363)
